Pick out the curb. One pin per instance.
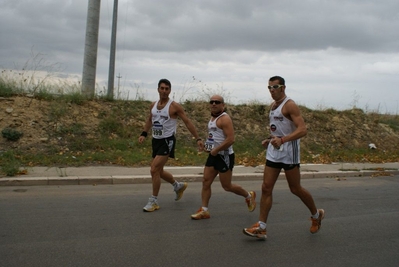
(146, 179)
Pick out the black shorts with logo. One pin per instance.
(279, 165)
(221, 163)
(164, 147)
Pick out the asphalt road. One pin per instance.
(105, 226)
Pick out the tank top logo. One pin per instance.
(273, 127)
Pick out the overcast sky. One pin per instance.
(336, 53)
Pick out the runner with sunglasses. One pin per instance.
(286, 128)
(219, 145)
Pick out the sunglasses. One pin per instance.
(217, 102)
(276, 86)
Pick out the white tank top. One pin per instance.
(216, 137)
(289, 152)
(163, 125)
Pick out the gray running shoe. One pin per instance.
(180, 189)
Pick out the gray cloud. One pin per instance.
(322, 47)
(255, 25)
(175, 25)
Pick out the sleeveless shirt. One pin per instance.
(279, 125)
(163, 125)
(216, 137)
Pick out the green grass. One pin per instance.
(10, 164)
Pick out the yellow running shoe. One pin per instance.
(251, 203)
(201, 214)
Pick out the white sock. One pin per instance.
(249, 195)
(315, 216)
(262, 225)
(154, 197)
(204, 208)
(176, 185)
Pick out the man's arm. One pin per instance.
(147, 126)
(291, 111)
(179, 111)
(226, 124)
(296, 117)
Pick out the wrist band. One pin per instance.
(282, 140)
(199, 139)
(144, 134)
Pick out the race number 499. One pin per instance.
(157, 130)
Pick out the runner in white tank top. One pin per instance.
(220, 161)
(163, 125)
(216, 136)
(287, 127)
(280, 126)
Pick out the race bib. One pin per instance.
(157, 130)
(209, 144)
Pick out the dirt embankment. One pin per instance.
(328, 130)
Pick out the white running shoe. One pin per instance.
(152, 205)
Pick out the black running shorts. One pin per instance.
(164, 147)
(220, 162)
(279, 165)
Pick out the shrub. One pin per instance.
(11, 134)
(44, 94)
(9, 165)
(5, 90)
(75, 98)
